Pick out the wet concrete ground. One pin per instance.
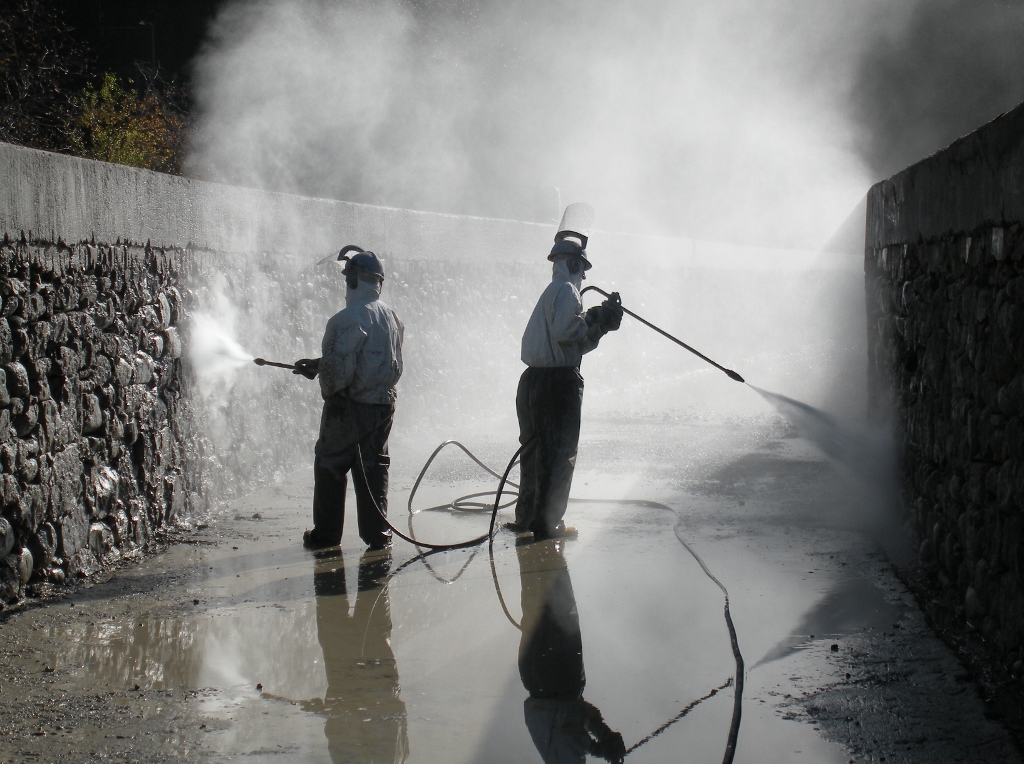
(242, 645)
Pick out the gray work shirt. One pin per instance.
(361, 353)
(556, 334)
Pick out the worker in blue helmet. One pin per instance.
(550, 395)
(360, 364)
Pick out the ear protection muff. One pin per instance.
(351, 280)
(574, 264)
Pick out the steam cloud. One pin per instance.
(754, 121)
(706, 119)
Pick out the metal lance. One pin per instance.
(731, 374)
(265, 362)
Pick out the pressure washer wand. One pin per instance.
(731, 374)
(264, 362)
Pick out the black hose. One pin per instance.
(461, 544)
(734, 726)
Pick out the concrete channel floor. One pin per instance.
(243, 646)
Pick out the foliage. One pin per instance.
(42, 66)
(48, 102)
(117, 124)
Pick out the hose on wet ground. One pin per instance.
(467, 503)
(462, 503)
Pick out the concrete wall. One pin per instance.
(51, 197)
(944, 263)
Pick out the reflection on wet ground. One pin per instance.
(565, 650)
(563, 726)
(340, 661)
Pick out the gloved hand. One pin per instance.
(593, 315)
(307, 367)
(607, 316)
(609, 746)
(605, 742)
(612, 316)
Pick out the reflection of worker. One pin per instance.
(550, 396)
(564, 727)
(361, 362)
(366, 718)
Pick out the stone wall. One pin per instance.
(944, 263)
(90, 385)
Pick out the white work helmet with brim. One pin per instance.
(573, 233)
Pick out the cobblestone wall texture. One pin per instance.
(90, 384)
(944, 265)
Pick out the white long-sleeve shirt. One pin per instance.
(556, 334)
(361, 353)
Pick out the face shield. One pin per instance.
(577, 223)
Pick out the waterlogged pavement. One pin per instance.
(242, 645)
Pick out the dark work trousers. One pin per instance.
(549, 403)
(349, 429)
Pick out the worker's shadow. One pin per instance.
(564, 727)
(365, 715)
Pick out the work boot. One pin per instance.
(312, 540)
(514, 527)
(560, 531)
(380, 546)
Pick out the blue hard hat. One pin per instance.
(566, 248)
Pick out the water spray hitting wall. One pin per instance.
(246, 261)
(739, 121)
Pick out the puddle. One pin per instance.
(393, 658)
(248, 645)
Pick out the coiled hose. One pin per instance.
(470, 502)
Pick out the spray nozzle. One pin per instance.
(265, 362)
